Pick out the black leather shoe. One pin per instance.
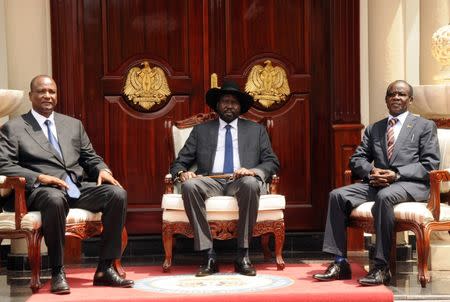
(109, 277)
(208, 269)
(244, 267)
(376, 276)
(335, 271)
(59, 283)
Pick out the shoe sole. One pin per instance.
(332, 279)
(386, 283)
(109, 285)
(61, 292)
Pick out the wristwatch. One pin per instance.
(397, 176)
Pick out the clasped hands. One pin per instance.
(237, 174)
(381, 177)
(103, 177)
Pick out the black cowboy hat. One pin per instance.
(213, 96)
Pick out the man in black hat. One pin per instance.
(228, 145)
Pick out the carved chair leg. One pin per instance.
(167, 237)
(118, 262)
(423, 250)
(265, 246)
(279, 242)
(34, 257)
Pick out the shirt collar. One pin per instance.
(233, 124)
(41, 119)
(401, 117)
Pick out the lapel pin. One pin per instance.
(409, 126)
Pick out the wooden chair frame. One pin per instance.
(81, 230)
(226, 229)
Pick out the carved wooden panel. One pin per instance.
(95, 43)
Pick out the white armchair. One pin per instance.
(421, 218)
(80, 223)
(222, 211)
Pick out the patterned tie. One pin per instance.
(228, 166)
(390, 136)
(73, 190)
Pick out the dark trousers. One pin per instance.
(54, 205)
(246, 189)
(341, 203)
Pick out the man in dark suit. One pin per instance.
(394, 159)
(53, 152)
(228, 145)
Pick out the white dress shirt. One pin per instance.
(220, 151)
(401, 120)
(41, 120)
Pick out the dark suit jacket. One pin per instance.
(255, 150)
(415, 154)
(25, 150)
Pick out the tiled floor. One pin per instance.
(14, 287)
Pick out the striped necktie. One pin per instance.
(391, 137)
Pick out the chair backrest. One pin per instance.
(444, 148)
(177, 132)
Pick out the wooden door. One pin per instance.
(97, 43)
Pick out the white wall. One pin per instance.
(26, 28)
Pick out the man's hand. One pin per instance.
(381, 177)
(187, 175)
(52, 181)
(106, 177)
(243, 172)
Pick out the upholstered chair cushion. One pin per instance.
(32, 220)
(223, 208)
(406, 211)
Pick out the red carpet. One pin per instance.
(300, 287)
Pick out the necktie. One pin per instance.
(390, 136)
(228, 166)
(73, 190)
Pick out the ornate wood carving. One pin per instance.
(224, 230)
(320, 58)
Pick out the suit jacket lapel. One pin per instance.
(407, 127)
(383, 134)
(63, 139)
(213, 135)
(242, 138)
(34, 129)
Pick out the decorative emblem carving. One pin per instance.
(146, 86)
(267, 84)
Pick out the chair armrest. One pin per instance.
(168, 181)
(434, 203)
(18, 185)
(273, 184)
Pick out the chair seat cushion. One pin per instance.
(180, 215)
(32, 220)
(407, 211)
(225, 203)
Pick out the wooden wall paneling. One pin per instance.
(344, 16)
(346, 139)
(291, 142)
(321, 157)
(94, 44)
(67, 42)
